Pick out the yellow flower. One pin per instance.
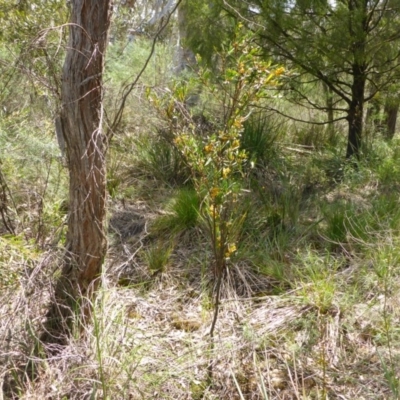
(238, 123)
(224, 138)
(230, 250)
(225, 172)
(214, 192)
(214, 212)
(236, 143)
(209, 148)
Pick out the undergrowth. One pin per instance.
(309, 302)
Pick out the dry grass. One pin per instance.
(149, 339)
(330, 333)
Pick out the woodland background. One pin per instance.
(246, 233)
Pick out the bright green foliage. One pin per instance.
(183, 212)
(186, 207)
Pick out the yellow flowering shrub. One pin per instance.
(216, 159)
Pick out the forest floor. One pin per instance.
(310, 299)
(331, 333)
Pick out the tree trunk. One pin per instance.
(391, 110)
(185, 57)
(358, 28)
(355, 113)
(81, 124)
(355, 122)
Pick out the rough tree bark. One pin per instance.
(358, 28)
(355, 112)
(81, 124)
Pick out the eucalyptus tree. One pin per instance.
(81, 120)
(341, 44)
